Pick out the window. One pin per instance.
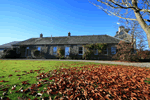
(39, 48)
(95, 51)
(105, 51)
(67, 51)
(54, 50)
(80, 50)
(113, 50)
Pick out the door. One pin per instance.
(27, 52)
(67, 51)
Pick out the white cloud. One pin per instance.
(118, 23)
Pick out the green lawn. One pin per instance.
(14, 68)
(18, 71)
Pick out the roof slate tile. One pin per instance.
(88, 39)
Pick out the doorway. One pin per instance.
(27, 52)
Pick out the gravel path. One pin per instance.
(145, 64)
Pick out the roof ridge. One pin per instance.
(76, 36)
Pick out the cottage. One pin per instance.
(71, 45)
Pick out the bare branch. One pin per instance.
(111, 13)
(119, 6)
(137, 6)
(145, 10)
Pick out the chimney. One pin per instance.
(69, 34)
(117, 32)
(41, 35)
(51, 38)
(120, 28)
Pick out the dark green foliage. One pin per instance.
(37, 54)
(10, 53)
(60, 53)
(73, 56)
(89, 54)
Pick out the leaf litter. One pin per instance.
(89, 82)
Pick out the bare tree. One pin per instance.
(137, 10)
(134, 29)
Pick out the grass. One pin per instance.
(18, 71)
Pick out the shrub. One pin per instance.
(60, 53)
(62, 57)
(143, 56)
(37, 54)
(10, 53)
(73, 56)
(125, 52)
(88, 54)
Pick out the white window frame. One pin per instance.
(96, 51)
(82, 50)
(55, 52)
(107, 51)
(112, 50)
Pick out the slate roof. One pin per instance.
(8, 45)
(86, 39)
(123, 35)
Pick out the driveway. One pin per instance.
(145, 64)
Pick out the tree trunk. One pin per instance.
(143, 24)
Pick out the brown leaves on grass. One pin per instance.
(105, 82)
(93, 83)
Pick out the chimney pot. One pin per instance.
(41, 35)
(121, 28)
(69, 33)
(51, 37)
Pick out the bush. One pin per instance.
(87, 55)
(10, 53)
(73, 56)
(144, 56)
(37, 54)
(135, 58)
(62, 57)
(60, 53)
(125, 52)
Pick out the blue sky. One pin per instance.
(24, 19)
